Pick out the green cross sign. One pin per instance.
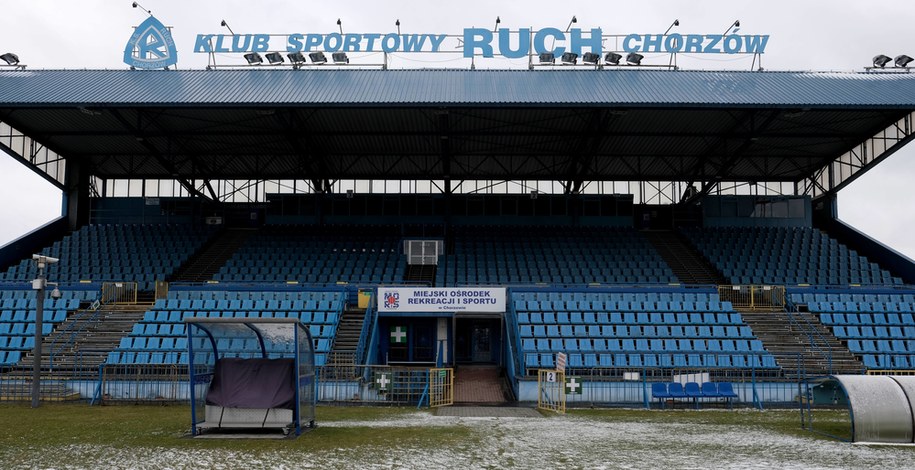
(573, 385)
(398, 334)
(382, 381)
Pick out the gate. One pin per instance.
(119, 293)
(753, 297)
(441, 387)
(551, 390)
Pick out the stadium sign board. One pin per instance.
(431, 299)
(483, 42)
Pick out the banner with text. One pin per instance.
(431, 299)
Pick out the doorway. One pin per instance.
(478, 340)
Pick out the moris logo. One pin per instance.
(392, 300)
(151, 46)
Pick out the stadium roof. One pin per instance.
(568, 125)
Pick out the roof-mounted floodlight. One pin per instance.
(226, 25)
(297, 58)
(612, 58)
(275, 58)
(902, 60)
(571, 22)
(569, 58)
(881, 60)
(590, 58)
(547, 58)
(634, 59)
(254, 58)
(675, 23)
(10, 58)
(340, 58)
(317, 58)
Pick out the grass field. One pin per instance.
(79, 436)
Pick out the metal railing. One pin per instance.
(753, 297)
(368, 323)
(120, 293)
(79, 323)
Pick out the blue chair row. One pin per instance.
(181, 358)
(8, 358)
(693, 391)
(656, 345)
(638, 360)
(896, 346)
(31, 304)
(19, 342)
(28, 316)
(283, 305)
(888, 361)
(622, 331)
(868, 319)
(175, 316)
(24, 329)
(629, 318)
(807, 298)
(570, 298)
(869, 332)
(852, 307)
(624, 306)
(253, 295)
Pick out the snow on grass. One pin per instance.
(554, 442)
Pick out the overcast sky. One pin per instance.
(840, 35)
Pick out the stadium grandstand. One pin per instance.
(637, 225)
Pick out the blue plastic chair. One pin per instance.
(659, 392)
(726, 391)
(693, 391)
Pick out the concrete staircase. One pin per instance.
(788, 338)
(686, 263)
(341, 361)
(420, 274)
(84, 340)
(206, 263)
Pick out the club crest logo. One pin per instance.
(391, 300)
(151, 46)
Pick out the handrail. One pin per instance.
(74, 329)
(367, 319)
(812, 334)
(514, 340)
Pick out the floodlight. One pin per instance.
(340, 58)
(569, 58)
(275, 58)
(590, 58)
(634, 59)
(318, 57)
(254, 58)
(547, 58)
(612, 58)
(55, 294)
(902, 60)
(10, 58)
(297, 58)
(881, 60)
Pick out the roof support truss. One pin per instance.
(859, 159)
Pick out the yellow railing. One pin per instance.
(441, 387)
(551, 390)
(890, 372)
(122, 293)
(753, 297)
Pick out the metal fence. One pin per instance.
(753, 297)
(121, 293)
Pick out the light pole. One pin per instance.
(39, 285)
